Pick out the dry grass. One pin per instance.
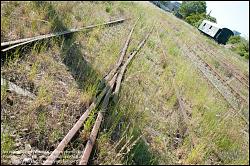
(64, 74)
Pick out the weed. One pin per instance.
(4, 92)
(196, 155)
(33, 71)
(55, 135)
(147, 98)
(108, 9)
(7, 142)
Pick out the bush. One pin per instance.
(240, 46)
(108, 9)
(233, 39)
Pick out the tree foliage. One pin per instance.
(193, 19)
(194, 12)
(188, 8)
(211, 18)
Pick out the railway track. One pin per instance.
(232, 89)
(232, 69)
(244, 80)
(183, 110)
(229, 94)
(113, 79)
(229, 67)
(112, 82)
(5, 46)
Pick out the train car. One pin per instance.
(218, 33)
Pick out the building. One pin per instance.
(236, 33)
(167, 5)
(218, 33)
(175, 6)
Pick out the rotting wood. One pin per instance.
(15, 88)
(29, 40)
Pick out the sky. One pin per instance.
(231, 14)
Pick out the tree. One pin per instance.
(210, 18)
(194, 12)
(195, 19)
(188, 8)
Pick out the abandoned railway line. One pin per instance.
(112, 82)
(88, 102)
(230, 94)
(20, 42)
(114, 74)
(230, 67)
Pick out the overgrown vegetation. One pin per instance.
(144, 126)
(239, 45)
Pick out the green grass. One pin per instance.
(66, 72)
(7, 142)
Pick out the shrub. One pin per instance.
(240, 46)
(234, 39)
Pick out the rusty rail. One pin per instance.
(76, 127)
(235, 92)
(232, 69)
(91, 141)
(21, 42)
(124, 50)
(107, 93)
(92, 137)
(119, 78)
